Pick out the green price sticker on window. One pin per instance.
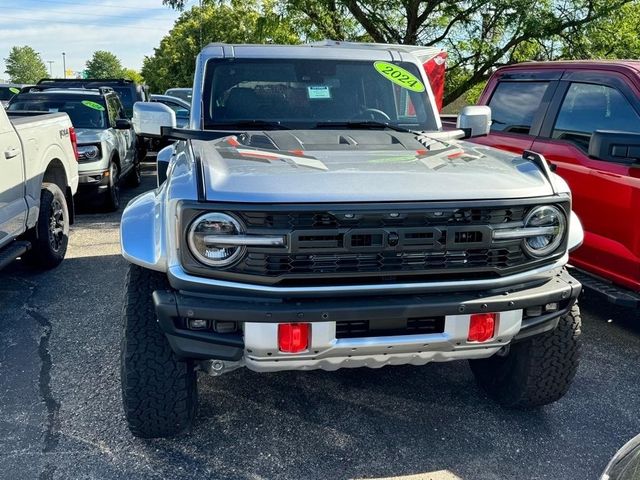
(94, 105)
(14, 90)
(399, 76)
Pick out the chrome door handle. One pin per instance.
(12, 152)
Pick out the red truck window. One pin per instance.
(513, 105)
(588, 107)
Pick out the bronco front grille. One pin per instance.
(373, 244)
(373, 219)
(275, 265)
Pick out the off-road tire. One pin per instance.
(112, 195)
(50, 237)
(159, 391)
(536, 371)
(135, 175)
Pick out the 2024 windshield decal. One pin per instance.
(399, 76)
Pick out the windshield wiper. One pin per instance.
(364, 124)
(240, 124)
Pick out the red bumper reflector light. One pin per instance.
(293, 337)
(482, 327)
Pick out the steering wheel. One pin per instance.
(372, 114)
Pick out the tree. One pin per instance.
(24, 65)
(478, 34)
(132, 74)
(104, 64)
(173, 62)
(615, 36)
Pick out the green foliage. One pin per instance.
(24, 65)
(132, 74)
(104, 64)
(615, 36)
(479, 35)
(173, 62)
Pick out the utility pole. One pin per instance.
(64, 65)
(50, 62)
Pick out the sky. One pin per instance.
(130, 29)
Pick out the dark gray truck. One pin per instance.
(316, 216)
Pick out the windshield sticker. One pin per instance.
(399, 76)
(53, 110)
(94, 105)
(14, 90)
(318, 92)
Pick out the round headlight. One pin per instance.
(554, 223)
(88, 151)
(202, 239)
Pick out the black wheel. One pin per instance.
(536, 371)
(135, 175)
(159, 391)
(50, 237)
(141, 148)
(112, 200)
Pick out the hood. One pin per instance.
(90, 135)
(360, 166)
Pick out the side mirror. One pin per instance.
(150, 117)
(475, 120)
(615, 146)
(122, 124)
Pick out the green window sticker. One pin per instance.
(14, 90)
(94, 105)
(399, 76)
(318, 92)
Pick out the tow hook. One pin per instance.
(216, 368)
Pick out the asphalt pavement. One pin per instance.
(61, 414)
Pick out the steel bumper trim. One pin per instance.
(184, 281)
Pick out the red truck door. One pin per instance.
(606, 195)
(518, 102)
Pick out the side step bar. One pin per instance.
(613, 293)
(12, 251)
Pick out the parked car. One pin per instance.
(316, 216)
(572, 113)
(38, 180)
(8, 90)
(181, 93)
(106, 140)
(179, 106)
(128, 91)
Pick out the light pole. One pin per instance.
(64, 65)
(50, 62)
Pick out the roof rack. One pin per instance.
(84, 81)
(419, 51)
(42, 88)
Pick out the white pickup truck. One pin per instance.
(38, 178)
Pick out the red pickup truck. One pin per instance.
(574, 113)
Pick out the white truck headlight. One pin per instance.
(552, 224)
(88, 152)
(210, 239)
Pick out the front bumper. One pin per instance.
(95, 181)
(254, 343)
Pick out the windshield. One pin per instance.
(298, 93)
(7, 92)
(85, 112)
(181, 93)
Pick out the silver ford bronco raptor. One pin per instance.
(314, 215)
